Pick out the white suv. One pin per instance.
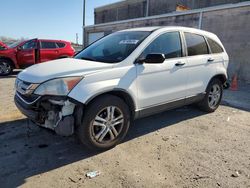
(126, 75)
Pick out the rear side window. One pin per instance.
(48, 45)
(168, 44)
(196, 44)
(214, 46)
(60, 44)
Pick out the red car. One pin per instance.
(27, 53)
(3, 46)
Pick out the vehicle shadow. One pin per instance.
(13, 75)
(27, 150)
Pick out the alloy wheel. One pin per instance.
(107, 124)
(5, 68)
(214, 96)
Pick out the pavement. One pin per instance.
(184, 147)
(239, 98)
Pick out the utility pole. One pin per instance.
(83, 25)
(76, 38)
(147, 9)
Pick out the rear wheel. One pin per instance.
(6, 67)
(105, 123)
(213, 96)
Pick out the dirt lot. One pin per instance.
(179, 148)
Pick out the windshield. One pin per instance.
(114, 47)
(15, 44)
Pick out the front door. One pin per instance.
(26, 54)
(159, 84)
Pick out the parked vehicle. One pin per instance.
(126, 75)
(27, 53)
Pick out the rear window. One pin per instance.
(60, 44)
(48, 45)
(214, 46)
(196, 44)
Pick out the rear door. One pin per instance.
(62, 49)
(201, 64)
(48, 50)
(27, 53)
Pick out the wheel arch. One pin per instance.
(63, 56)
(9, 59)
(121, 93)
(221, 77)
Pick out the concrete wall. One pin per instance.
(232, 25)
(233, 28)
(164, 6)
(120, 11)
(137, 8)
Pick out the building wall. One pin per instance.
(164, 6)
(233, 28)
(137, 8)
(232, 25)
(120, 11)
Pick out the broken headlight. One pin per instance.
(58, 86)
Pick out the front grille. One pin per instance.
(25, 88)
(21, 86)
(28, 98)
(24, 91)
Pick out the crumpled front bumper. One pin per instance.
(27, 108)
(58, 113)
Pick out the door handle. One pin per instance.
(179, 63)
(210, 59)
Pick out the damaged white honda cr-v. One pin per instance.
(126, 75)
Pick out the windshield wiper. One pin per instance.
(87, 58)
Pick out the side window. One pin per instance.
(60, 44)
(48, 45)
(168, 44)
(29, 45)
(214, 46)
(196, 44)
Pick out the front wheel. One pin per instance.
(213, 96)
(6, 67)
(105, 123)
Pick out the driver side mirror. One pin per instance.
(152, 58)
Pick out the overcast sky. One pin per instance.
(50, 19)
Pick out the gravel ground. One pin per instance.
(179, 148)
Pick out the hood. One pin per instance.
(3, 45)
(61, 68)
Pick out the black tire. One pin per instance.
(8, 67)
(205, 104)
(87, 131)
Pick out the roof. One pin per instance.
(166, 28)
(143, 29)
